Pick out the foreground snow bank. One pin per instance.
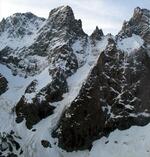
(133, 142)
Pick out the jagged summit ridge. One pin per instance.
(97, 34)
(138, 24)
(139, 12)
(19, 24)
(62, 10)
(31, 36)
(63, 17)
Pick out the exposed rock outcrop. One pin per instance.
(32, 112)
(97, 34)
(3, 84)
(9, 146)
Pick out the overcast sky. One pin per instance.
(107, 14)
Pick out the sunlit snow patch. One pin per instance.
(130, 44)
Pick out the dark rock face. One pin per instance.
(9, 147)
(4, 53)
(65, 19)
(115, 95)
(55, 90)
(63, 58)
(3, 84)
(32, 112)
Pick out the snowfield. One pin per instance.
(133, 142)
(130, 44)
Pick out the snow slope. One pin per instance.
(130, 44)
(133, 142)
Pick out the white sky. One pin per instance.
(107, 14)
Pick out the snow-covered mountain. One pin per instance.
(60, 89)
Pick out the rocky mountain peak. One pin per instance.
(63, 17)
(138, 24)
(62, 10)
(20, 24)
(140, 15)
(141, 11)
(137, 13)
(21, 18)
(97, 34)
(28, 15)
